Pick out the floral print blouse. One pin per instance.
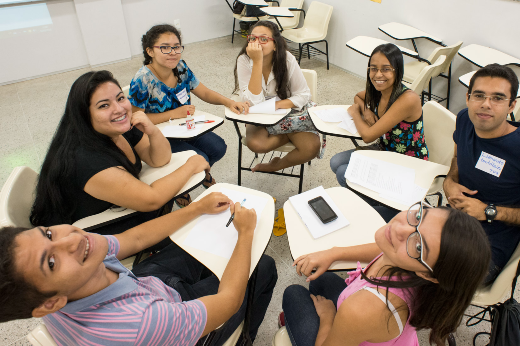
(406, 138)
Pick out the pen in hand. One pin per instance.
(233, 215)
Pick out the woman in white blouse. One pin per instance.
(265, 69)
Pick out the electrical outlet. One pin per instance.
(177, 23)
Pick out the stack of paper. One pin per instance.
(267, 107)
(340, 115)
(310, 219)
(177, 131)
(391, 181)
(210, 233)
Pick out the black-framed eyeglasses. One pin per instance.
(496, 100)
(168, 49)
(384, 70)
(414, 243)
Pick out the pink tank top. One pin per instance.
(355, 283)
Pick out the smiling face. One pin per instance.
(392, 240)
(490, 119)
(269, 47)
(62, 259)
(381, 81)
(170, 60)
(110, 110)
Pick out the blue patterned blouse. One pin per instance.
(149, 93)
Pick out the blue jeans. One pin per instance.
(209, 145)
(301, 320)
(339, 164)
(179, 270)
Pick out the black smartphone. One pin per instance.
(322, 209)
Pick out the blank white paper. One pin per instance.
(210, 233)
(348, 125)
(310, 219)
(333, 115)
(267, 107)
(177, 130)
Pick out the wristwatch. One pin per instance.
(491, 212)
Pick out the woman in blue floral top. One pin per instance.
(386, 111)
(162, 89)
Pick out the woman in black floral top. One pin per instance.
(386, 111)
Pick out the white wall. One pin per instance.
(492, 23)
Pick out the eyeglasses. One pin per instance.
(261, 39)
(168, 49)
(496, 100)
(414, 243)
(384, 70)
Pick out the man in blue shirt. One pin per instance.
(484, 178)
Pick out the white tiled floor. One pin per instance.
(30, 112)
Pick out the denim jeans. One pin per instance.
(209, 145)
(301, 320)
(339, 164)
(192, 280)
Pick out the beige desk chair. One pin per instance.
(414, 68)
(424, 77)
(312, 81)
(439, 125)
(314, 30)
(241, 18)
(17, 197)
(290, 23)
(515, 116)
(126, 90)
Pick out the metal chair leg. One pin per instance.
(327, 51)
(300, 188)
(233, 32)
(300, 51)
(239, 161)
(449, 89)
(308, 53)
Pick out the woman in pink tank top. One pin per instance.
(428, 264)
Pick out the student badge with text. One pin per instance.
(490, 164)
(182, 96)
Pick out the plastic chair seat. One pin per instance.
(303, 35)
(412, 70)
(286, 23)
(248, 19)
(281, 338)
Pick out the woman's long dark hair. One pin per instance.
(395, 57)
(279, 60)
(150, 38)
(56, 190)
(460, 269)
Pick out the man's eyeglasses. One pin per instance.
(261, 39)
(384, 70)
(497, 100)
(414, 243)
(168, 49)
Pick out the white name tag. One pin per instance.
(490, 164)
(182, 96)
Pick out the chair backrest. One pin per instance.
(439, 125)
(17, 197)
(292, 22)
(426, 74)
(516, 111)
(449, 51)
(494, 293)
(126, 90)
(312, 81)
(40, 336)
(317, 18)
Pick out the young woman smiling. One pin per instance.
(428, 264)
(386, 111)
(162, 89)
(265, 69)
(95, 157)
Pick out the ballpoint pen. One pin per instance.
(200, 122)
(233, 216)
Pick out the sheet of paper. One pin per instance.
(210, 233)
(199, 118)
(333, 115)
(309, 217)
(417, 195)
(380, 176)
(177, 131)
(266, 107)
(348, 125)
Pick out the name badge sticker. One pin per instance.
(490, 164)
(182, 96)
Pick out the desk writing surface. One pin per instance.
(366, 45)
(400, 31)
(259, 3)
(148, 175)
(482, 56)
(364, 222)
(278, 11)
(465, 79)
(261, 238)
(425, 173)
(204, 127)
(330, 128)
(254, 119)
